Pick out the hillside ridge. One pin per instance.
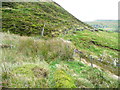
(33, 17)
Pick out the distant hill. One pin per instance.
(109, 25)
(108, 20)
(30, 18)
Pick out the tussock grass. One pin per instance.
(29, 49)
(45, 49)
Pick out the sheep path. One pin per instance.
(94, 65)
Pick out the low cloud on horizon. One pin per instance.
(90, 10)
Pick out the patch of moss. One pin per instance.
(31, 70)
(25, 70)
(63, 80)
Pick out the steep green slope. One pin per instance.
(29, 18)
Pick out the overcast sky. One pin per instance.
(89, 10)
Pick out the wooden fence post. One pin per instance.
(42, 33)
(91, 60)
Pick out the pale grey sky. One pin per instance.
(89, 10)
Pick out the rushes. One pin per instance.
(45, 49)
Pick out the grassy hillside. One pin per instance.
(52, 63)
(29, 18)
(102, 47)
(75, 57)
(108, 25)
